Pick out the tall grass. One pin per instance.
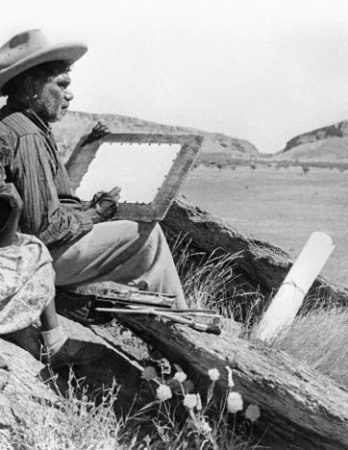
(73, 422)
(206, 278)
(319, 339)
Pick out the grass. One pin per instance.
(279, 206)
(72, 423)
(319, 339)
(75, 422)
(205, 278)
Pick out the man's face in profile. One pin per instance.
(53, 97)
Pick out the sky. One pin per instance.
(260, 70)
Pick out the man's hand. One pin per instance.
(98, 131)
(105, 203)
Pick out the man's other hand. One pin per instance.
(105, 203)
(115, 193)
(98, 131)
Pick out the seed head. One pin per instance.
(214, 374)
(252, 412)
(190, 401)
(180, 377)
(163, 393)
(234, 402)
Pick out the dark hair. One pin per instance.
(41, 71)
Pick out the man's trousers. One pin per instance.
(122, 251)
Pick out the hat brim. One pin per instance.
(68, 53)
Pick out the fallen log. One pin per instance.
(300, 408)
(261, 267)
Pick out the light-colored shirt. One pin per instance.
(26, 283)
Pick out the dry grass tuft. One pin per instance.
(319, 339)
(74, 422)
(205, 278)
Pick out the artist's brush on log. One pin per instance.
(208, 328)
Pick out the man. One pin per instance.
(85, 246)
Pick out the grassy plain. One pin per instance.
(279, 205)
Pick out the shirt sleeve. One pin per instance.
(73, 203)
(44, 215)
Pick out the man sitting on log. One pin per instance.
(85, 246)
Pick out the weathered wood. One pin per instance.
(288, 300)
(262, 266)
(300, 408)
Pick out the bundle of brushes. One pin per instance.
(154, 304)
(89, 306)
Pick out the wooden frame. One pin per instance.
(82, 156)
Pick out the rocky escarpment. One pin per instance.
(323, 144)
(75, 124)
(339, 129)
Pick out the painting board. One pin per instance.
(149, 168)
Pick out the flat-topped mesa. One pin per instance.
(75, 124)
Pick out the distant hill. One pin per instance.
(216, 146)
(323, 144)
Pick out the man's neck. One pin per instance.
(16, 104)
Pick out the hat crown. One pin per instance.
(31, 48)
(21, 46)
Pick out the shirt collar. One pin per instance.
(17, 105)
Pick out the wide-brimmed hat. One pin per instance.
(31, 48)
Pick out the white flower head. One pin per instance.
(234, 402)
(163, 393)
(190, 401)
(230, 382)
(214, 374)
(252, 412)
(180, 376)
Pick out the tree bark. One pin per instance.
(300, 408)
(262, 266)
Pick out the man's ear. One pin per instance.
(30, 87)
